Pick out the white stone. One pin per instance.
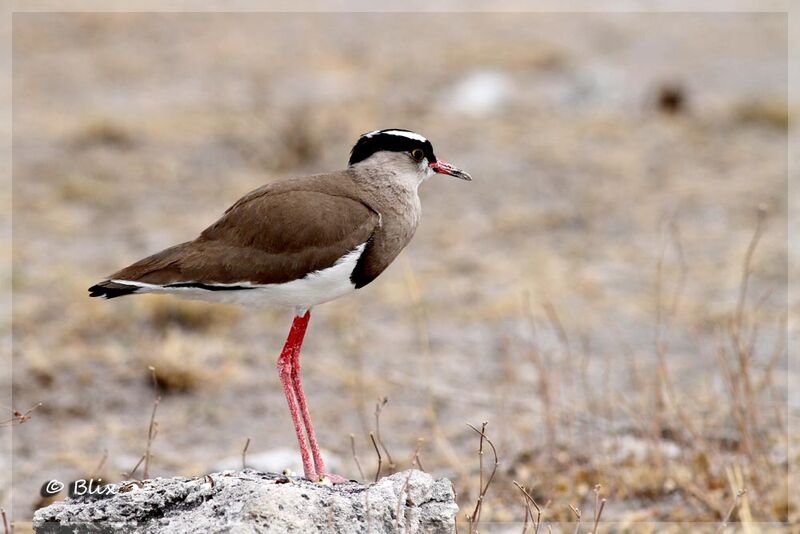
(249, 501)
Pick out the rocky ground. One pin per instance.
(582, 294)
(247, 501)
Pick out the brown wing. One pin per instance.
(273, 235)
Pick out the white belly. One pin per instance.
(315, 288)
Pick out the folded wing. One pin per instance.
(270, 236)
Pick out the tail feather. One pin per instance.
(110, 290)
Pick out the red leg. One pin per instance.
(301, 403)
(285, 365)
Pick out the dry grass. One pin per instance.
(679, 453)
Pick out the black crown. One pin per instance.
(381, 140)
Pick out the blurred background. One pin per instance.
(585, 295)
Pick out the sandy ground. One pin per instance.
(602, 147)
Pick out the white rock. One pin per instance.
(250, 501)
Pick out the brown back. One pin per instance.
(275, 234)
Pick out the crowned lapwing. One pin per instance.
(298, 243)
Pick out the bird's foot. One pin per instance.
(330, 479)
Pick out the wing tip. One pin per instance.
(110, 290)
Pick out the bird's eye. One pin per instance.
(417, 154)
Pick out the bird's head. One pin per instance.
(401, 152)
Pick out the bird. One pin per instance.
(297, 243)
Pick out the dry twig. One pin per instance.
(400, 501)
(747, 266)
(599, 504)
(528, 511)
(355, 456)
(19, 417)
(415, 460)
(135, 468)
(577, 513)
(475, 518)
(100, 464)
(153, 428)
(742, 348)
(244, 453)
(378, 452)
(378, 409)
(734, 504)
(736, 362)
(545, 381)
(665, 316)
